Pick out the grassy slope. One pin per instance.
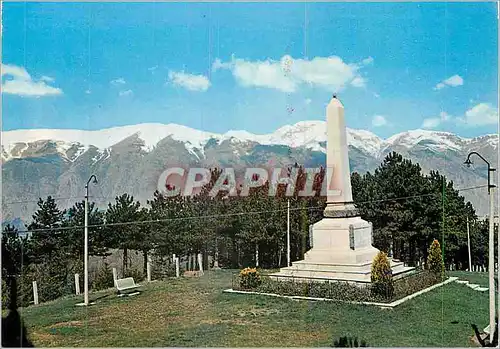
(195, 312)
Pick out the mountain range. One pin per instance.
(58, 162)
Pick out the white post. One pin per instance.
(77, 284)
(148, 268)
(35, 293)
(86, 248)
(173, 258)
(115, 276)
(491, 261)
(498, 260)
(468, 245)
(498, 178)
(177, 269)
(200, 262)
(216, 256)
(288, 234)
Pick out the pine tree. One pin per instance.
(15, 251)
(51, 250)
(99, 240)
(47, 237)
(124, 210)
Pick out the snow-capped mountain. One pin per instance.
(38, 163)
(307, 134)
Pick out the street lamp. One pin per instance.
(491, 251)
(86, 240)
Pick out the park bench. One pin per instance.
(126, 285)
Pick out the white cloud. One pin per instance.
(189, 81)
(379, 120)
(88, 92)
(119, 81)
(287, 74)
(21, 83)
(367, 61)
(358, 81)
(453, 81)
(480, 115)
(431, 123)
(153, 68)
(47, 79)
(444, 116)
(126, 93)
(308, 101)
(376, 95)
(439, 86)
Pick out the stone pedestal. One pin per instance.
(342, 250)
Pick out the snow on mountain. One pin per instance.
(309, 134)
(435, 140)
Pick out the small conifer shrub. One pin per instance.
(381, 276)
(435, 262)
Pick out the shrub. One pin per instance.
(103, 278)
(162, 268)
(435, 262)
(137, 274)
(5, 294)
(348, 342)
(249, 278)
(381, 276)
(342, 291)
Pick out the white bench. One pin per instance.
(126, 285)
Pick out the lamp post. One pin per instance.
(86, 241)
(491, 248)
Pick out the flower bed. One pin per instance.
(342, 291)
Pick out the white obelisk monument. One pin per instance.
(342, 241)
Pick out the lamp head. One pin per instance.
(468, 162)
(95, 180)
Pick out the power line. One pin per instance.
(58, 199)
(223, 215)
(113, 197)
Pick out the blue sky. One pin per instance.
(248, 66)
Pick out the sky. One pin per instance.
(250, 66)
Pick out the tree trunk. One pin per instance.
(304, 244)
(279, 257)
(125, 261)
(235, 258)
(145, 264)
(256, 255)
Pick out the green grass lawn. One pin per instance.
(195, 312)
(479, 278)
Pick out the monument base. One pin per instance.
(341, 251)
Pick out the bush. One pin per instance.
(341, 291)
(137, 274)
(5, 294)
(249, 278)
(348, 342)
(54, 280)
(435, 263)
(103, 278)
(162, 268)
(381, 276)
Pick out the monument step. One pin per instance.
(340, 267)
(334, 274)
